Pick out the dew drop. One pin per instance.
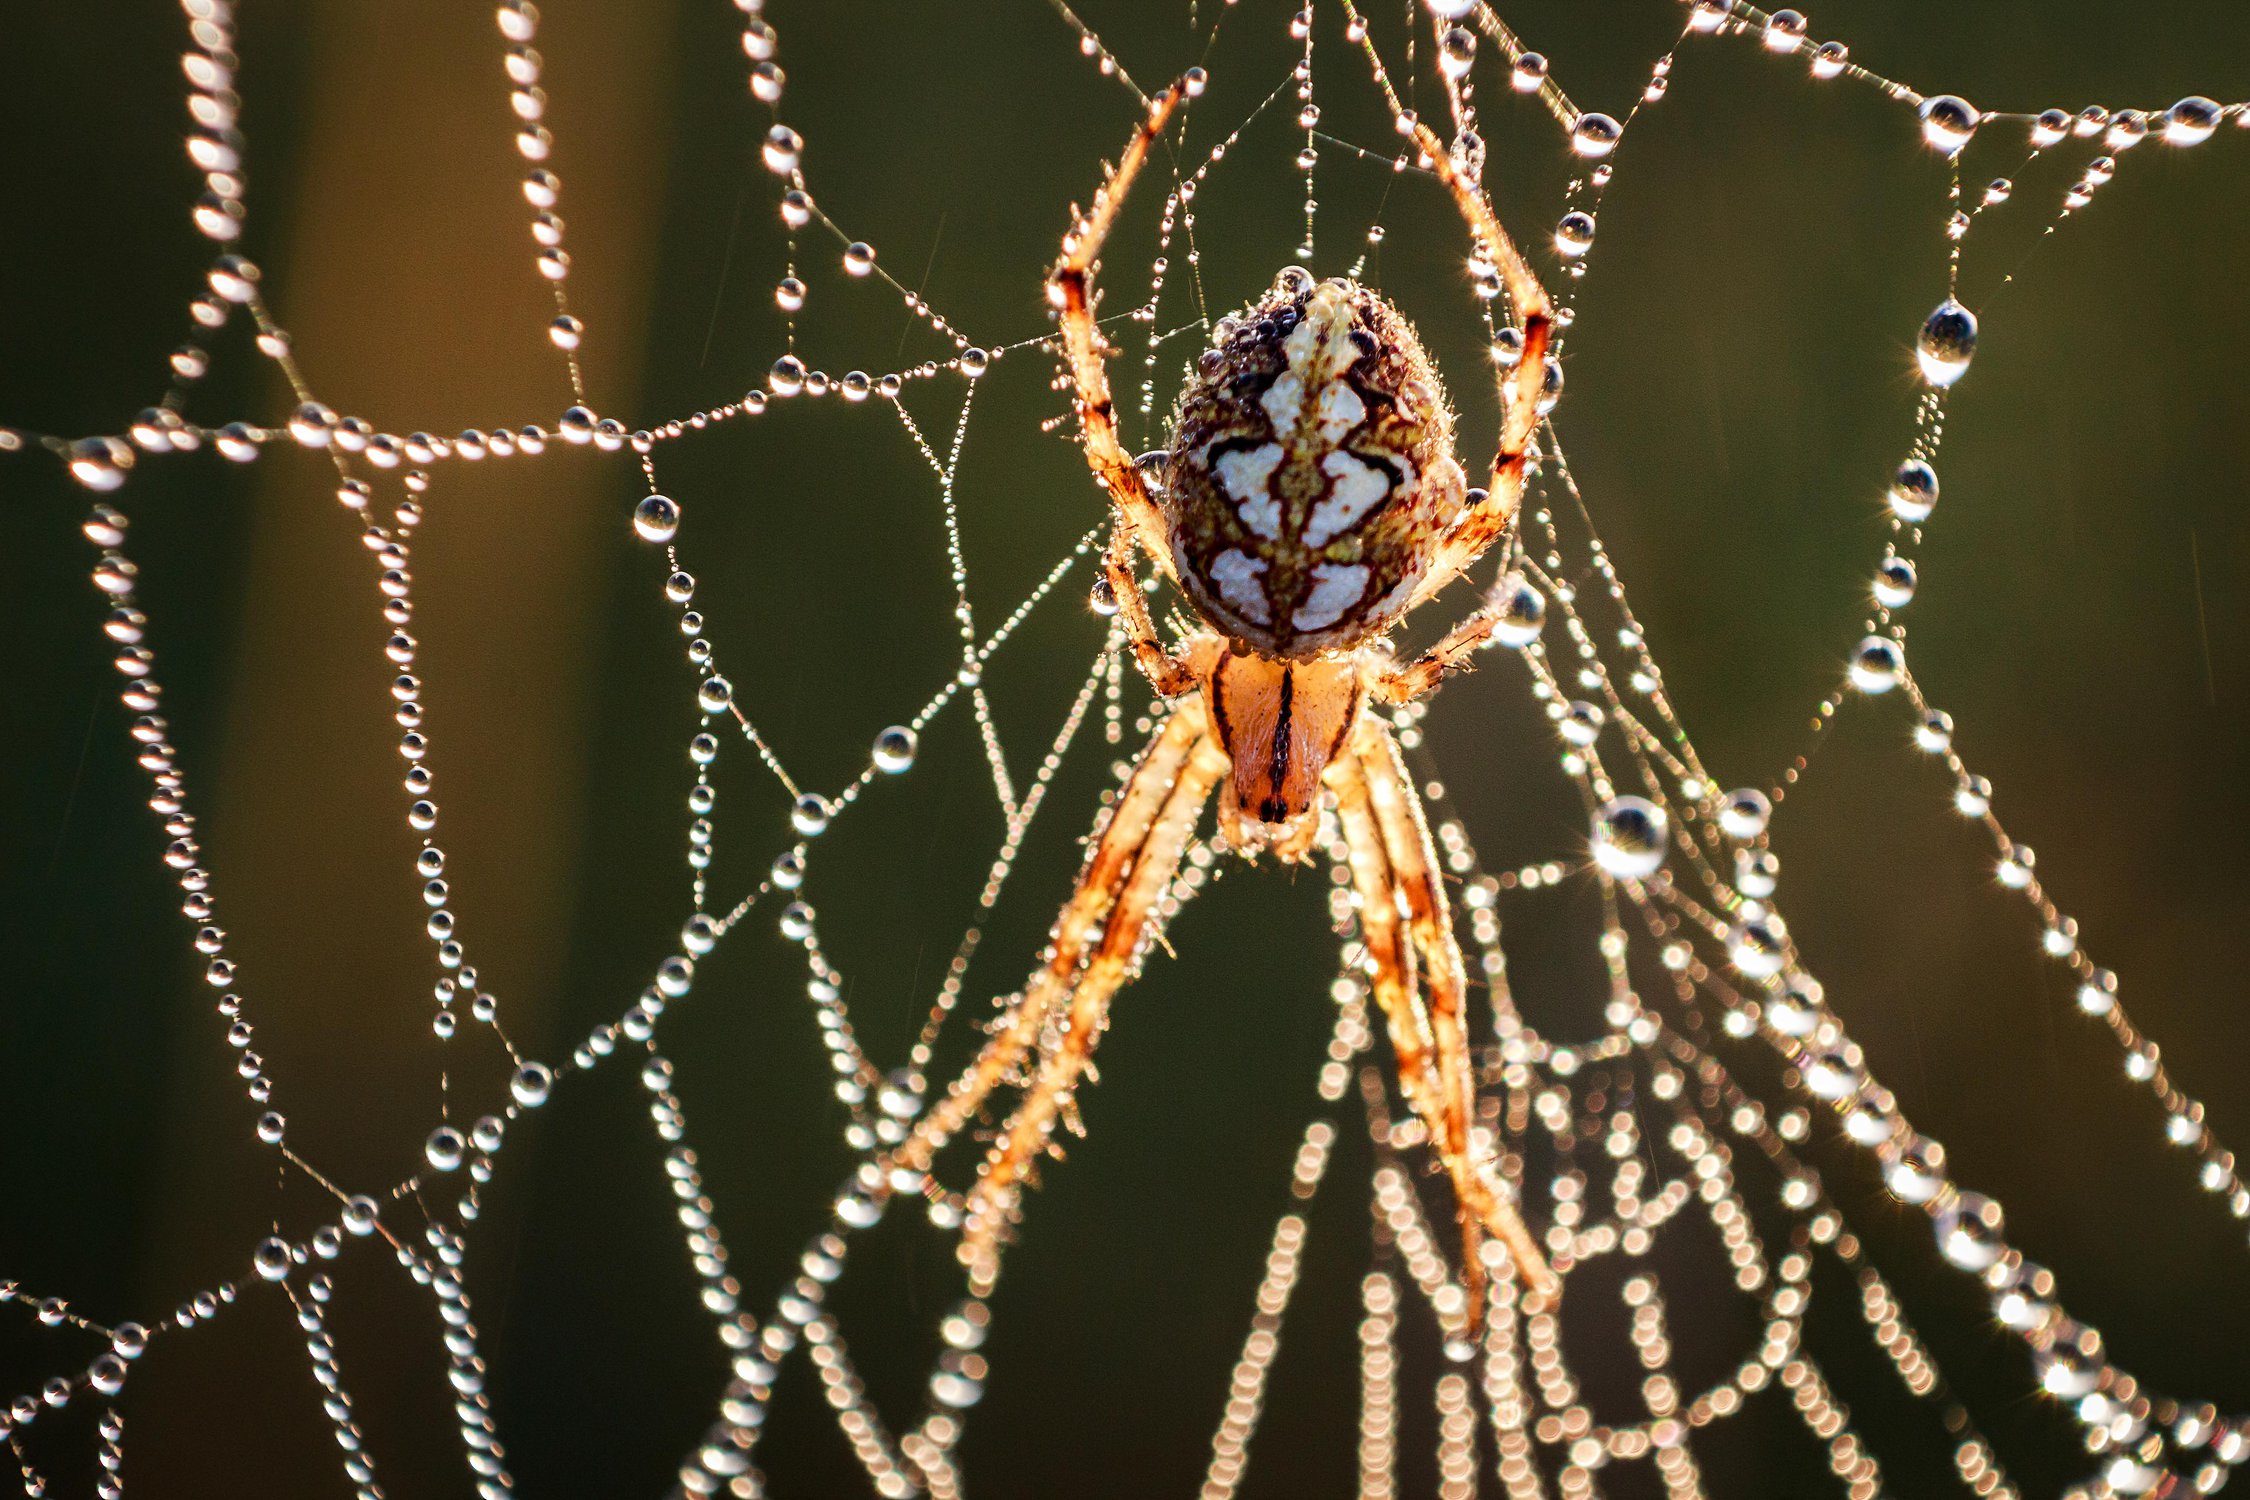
(271, 1259)
(1968, 1232)
(1914, 491)
(1877, 664)
(657, 518)
(1894, 583)
(1744, 813)
(99, 463)
(1947, 342)
(359, 1215)
(1948, 122)
(1574, 236)
(445, 1148)
(531, 1085)
(810, 815)
(894, 749)
(783, 149)
(1595, 135)
(1631, 835)
(1580, 722)
(1759, 948)
(2192, 121)
(1529, 73)
(1521, 612)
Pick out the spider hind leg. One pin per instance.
(1406, 925)
(1097, 948)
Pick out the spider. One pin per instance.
(1309, 499)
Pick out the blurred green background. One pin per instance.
(1739, 387)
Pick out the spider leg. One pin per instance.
(1120, 849)
(1422, 675)
(1487, 521)
(1071, 289)
(1184, 783)
(1166, 673)
(1394, 866)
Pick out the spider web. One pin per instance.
(1777, 1278)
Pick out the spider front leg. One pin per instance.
(1488, 520)
(1120, 849)
(1166, 673)
(1421, 676)
(1393, 865)
(1071, 289)
(1184, 784)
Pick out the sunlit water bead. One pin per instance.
(1894, 583)
(1947, 342)
(1914, 491)
(532, 1084)
(894, 750)
(1759, 946)
(1744, 813)
(787, 376)
(359, 1215)
(656, 518)
(1519, 612)
(783, 149)
(100, 463)
(1949, 122)
(1829, 58)
(1631, 835)
(271, 1259)
(1450, 10)
(1785, 30)
(2192, 121)
(810, 813)
(445, 1148)
(1878, 662)
(1968, 1232)
(1756, 872)
(1574, 236)
(1529, 73)
(715, 695)
(1457, 50)
(1594, 135)
(1580, 722)
(1973, 798)
(859, 258)
(1913, 1168)
(2069, 1362)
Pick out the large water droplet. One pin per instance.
(894, 749)
(1894, 583)
(1948, 121)
(1745, 812)
(1914, 491)
(1630, 837)
(2192, 121)
(531, 1085)
(445, 1148)
(1877, 664)
(1595, 135)
(656, 518)
(1521, 612)
(1947, 342)
(1968, 1232)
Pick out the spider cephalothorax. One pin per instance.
(1309, 499)
(1311, 470)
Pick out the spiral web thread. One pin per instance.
(1698, 957)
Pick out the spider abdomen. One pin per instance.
(1311, 470)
